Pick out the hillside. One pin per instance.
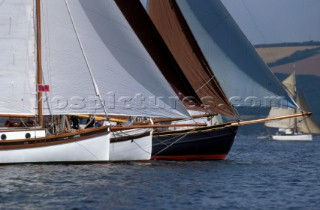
(272, 54)
(305, 84)
(308, 66)
(304, 58)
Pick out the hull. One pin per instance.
(87, 146)
(209, 143)
(296, 137)
(11, 134)
(131, 145)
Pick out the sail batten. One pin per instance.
(125, 77)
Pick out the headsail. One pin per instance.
(243, 75)
(91, 54)
(17, 58)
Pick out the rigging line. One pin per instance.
(142, 147)
(86, 60)
(258, 28)
(253, 20)
(183, 136)
(205, 84)
(87, 150)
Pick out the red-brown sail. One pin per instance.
(169, 21)
(152, 41)
(182, 64)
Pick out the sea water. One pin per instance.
(258, 174)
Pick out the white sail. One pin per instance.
(244, 77)
(17, 57)
(91, 54)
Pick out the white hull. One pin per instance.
(10, 134)
(91, 149)
(293, 137)
(132, 149)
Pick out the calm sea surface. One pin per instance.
(259, 174)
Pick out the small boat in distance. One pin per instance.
(294, 129)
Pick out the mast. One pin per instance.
(39, 62)
(295, 97)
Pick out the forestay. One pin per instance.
(91, 54)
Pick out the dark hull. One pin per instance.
(209, 143)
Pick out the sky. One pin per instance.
(276, 21)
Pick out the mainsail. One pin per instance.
(17, 58)
(92, 60)
(229, 56)
(302, 124)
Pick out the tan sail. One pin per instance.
(284, 123)
(304, 124)
(290, 84)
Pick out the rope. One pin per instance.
(96, 88)
(183, 136)
(142, 148)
